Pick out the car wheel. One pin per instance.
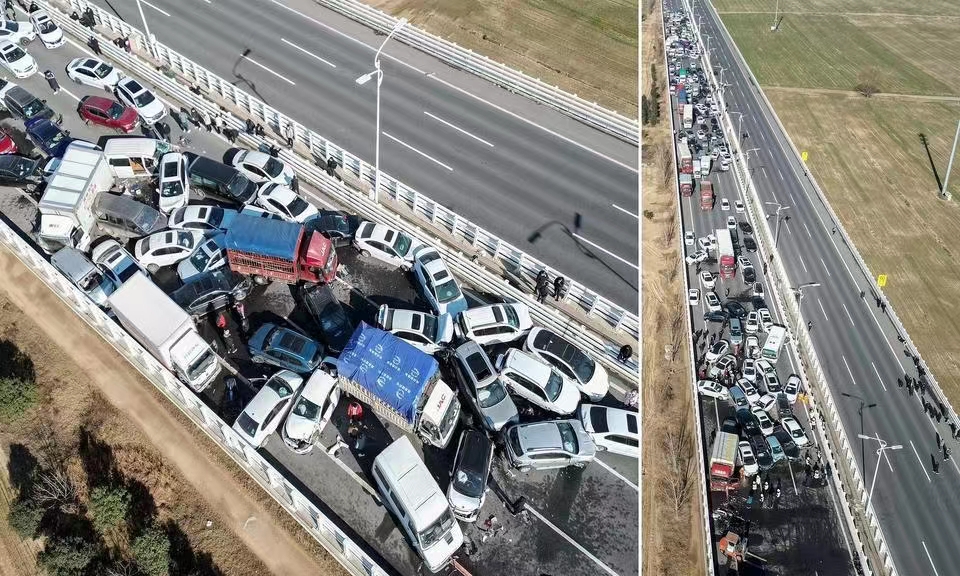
(600, 448)
(256, 359)
(24, 41)
(365, 253)
(152, 268)
(75, 80)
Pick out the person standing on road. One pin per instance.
(810, 325)
(52, 81)
(862, 294)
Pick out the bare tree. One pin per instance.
(54, 489)
(868, 81)
(122, 568)
(679, 480)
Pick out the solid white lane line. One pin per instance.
(599, 247)
(427, 156)
(458, 129)
(935, 573)
(792, 478)
(822, 309)
(280, 76)
(809, 235)
(825, 266)
(804, 264)
(879, 379)
(625, 211)
(576, 544)
(848, 314)
(780, 173)
(70, 94)
(155, 8)
(617, 474)
(292, 45)
(852, 380)
(922, 465)
(462, 91)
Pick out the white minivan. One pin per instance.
(420, 507)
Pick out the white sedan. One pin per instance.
(752, 325)
(93, 72)
(731, 224)
(749, 369)
(713, 302)
(50, 34)
(174, 182)
(698, 256)
(747, 459)
(208, 256)
(259, 167)
(312, 410)
(749, 390)
(766, 320)
(708, 280)
(284, 202)
(385, 244)
(612, 429)
(752, 346)
(766, 424)
(738, 206)
(724, 204)
(688, 238)
(17, 32)
(165, 248)
(712, 389)
(211, 220)
(693, 296)
(261, 417)
(795, 430)
(792, 388)
(719, 348)
(767, 402)
(17, 60)
(771, 381)
(135, 95)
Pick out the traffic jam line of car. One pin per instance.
(756, 431)
(174, 244)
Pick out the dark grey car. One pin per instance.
(211, 291)
(481, 386)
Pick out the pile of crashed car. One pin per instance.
(148, 231)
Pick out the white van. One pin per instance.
(420, 507)
(134, 157)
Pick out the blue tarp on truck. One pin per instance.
(388, 368)
(264, 236)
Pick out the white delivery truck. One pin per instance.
(66, 208)
(705, 165)
(165, 330)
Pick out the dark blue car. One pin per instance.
(284, 348)
(49, 137)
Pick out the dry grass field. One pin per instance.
(672, 524)
(866, 153)
(587, 47)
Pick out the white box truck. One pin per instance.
(165, 330)
(66, 208)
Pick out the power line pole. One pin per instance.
(943, 191)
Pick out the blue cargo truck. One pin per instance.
(401, 384)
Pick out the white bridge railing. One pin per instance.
(465, 246)
(590, 113)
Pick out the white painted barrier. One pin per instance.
(464, 236)
(350, 555)
(807, 361)
(590, 113)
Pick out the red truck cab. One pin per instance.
(276, 250)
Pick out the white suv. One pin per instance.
(538, 383)
(494, 324)
(437, 284)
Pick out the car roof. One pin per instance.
(604, 419)
(318, 387)
(484, 315)
(527, 365)
(404, 319)
(262, 403)
(411, 478)
(539, 436)
(279, 192)
(253, 157)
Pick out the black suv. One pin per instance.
(221, 181)
(327, 312)
(211, 291)
(25, 105)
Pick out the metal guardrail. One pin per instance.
(464, 235)
(590, 113)
(322, 528)
(803, 349)
(688, 338)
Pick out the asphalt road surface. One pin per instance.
(854, 340)
(498, 159)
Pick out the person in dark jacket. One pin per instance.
(626, 351)
(94, 45)
(559, 287)
(52, 81)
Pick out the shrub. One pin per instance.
(25, 516)
(67, 556)
(109, 506)
(16, 397)
(151, 550)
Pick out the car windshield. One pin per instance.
(402, 245)
(115, 111)
(512, 317)
(200, 259)
(240, 189)
(216, 216)
(581, 364)
(247, 424)
(102, 70)
(144, 98)
(429, 328)
(186, 240)
(554, 385)
(279, 385)
(47, 27)
(569, 438)
(492, 394)
(435, 531)
(307, 409)
(298, 206)
(273, 167)
(448, 291)
(478, 366)
(171, 189)
(127, 272)
(15, 54)
(33, 108)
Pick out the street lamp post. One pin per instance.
(146, 29)
(776, 14)
(776, 234)
(378, 72)
(883, 446)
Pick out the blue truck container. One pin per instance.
(682, 96)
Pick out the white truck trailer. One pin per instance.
(66, 208)
(165, 330)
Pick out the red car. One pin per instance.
(107, 112)
(7, 145)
